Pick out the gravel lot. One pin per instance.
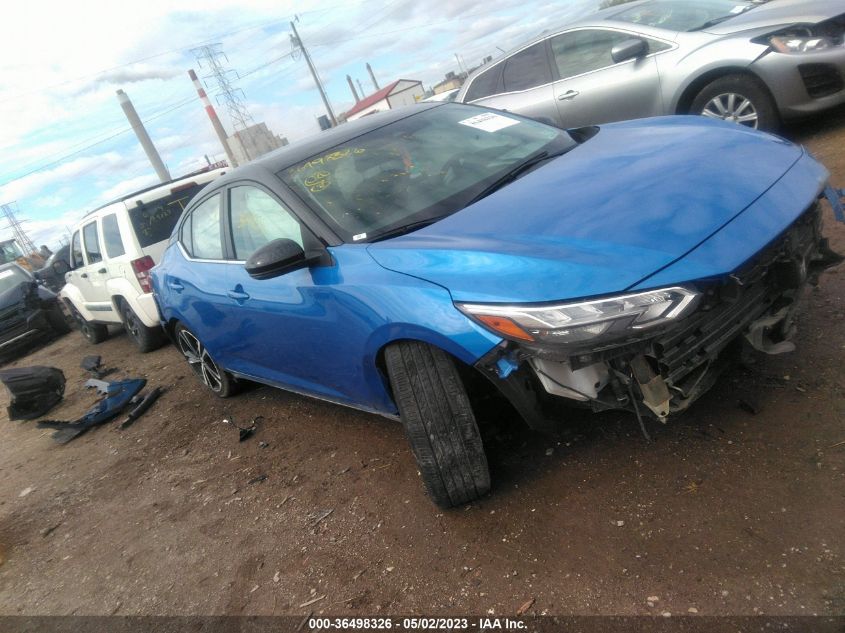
(726, 512)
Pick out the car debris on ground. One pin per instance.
(34, 390)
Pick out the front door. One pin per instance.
(593, 89)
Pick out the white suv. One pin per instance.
(112, 251)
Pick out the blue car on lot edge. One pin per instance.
(405, 262)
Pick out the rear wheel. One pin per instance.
(740, 99)
(94, 332)
(57, 320)
(205, 367)
(146, 338)
(438, 420)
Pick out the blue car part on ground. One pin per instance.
(116, 394)
(619, 275)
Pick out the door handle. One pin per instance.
(102, 271)
(85, 275)
(175, 285)
(569, 94)
(237, 295)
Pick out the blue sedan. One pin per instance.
(408, 262)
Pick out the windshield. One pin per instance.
(684, 15)
(417, 169)
(12, 277)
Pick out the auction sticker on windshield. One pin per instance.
(489, 122)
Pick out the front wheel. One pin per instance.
(438, 420)
(739, 99)
(205, 367)
(94, 332)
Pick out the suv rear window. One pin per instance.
(153, 222)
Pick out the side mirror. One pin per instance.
(61, 267)
(629, 49)
(276, 258)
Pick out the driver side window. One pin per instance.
(257, 218)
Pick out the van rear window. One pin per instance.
(153, 222)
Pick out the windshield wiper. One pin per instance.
(721, 19)
(515, 173)
(405, 228)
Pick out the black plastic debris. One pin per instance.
(245, 433)
(117, 395)
(93, 364)
(141, 407)
(35, 390)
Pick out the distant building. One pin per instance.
(400, 93)
(254, 141)
(451, 82)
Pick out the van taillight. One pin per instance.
(142, 272)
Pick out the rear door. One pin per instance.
(525, 84)
(593, 89)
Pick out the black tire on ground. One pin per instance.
(94, 332)
(146, 338)
(744, 87)
(57, 320)
(217, 379)
(438, 420)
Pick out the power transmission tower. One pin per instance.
(209, 58)
(17, 228)
(297, 45)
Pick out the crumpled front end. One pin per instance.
(661, 371)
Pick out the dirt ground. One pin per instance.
(726, 512)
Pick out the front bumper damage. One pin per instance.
(666, 372)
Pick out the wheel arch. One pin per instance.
(698, 84)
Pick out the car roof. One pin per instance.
(299, 151)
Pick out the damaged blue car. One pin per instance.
(407, 262)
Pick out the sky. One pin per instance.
(65, 144)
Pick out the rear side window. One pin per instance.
(111, 236)
(529, 68)
(204, 225)
(486, 84)
(76, 251)
(92, 243)
(154, 221)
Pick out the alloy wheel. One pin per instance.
(732, 107)
(131, 323)
(200, 360)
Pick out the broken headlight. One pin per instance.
(622, 316)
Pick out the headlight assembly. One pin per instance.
(794, 44)
(622, 316)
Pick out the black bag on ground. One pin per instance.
(35, 390)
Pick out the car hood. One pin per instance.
(633, 199)
(776, 13)
(15, 295)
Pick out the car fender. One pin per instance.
(121, 288)
(683, 77)
(71, 294)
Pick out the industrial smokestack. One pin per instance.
(361, 88)
(215, 122)
(372, 76)
(143, 137)
(352, 88)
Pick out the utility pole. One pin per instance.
(215, 121)
(17, 228)
(297, 43)
(143, 137)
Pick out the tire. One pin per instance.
(95, 332)
(737, 98)
(145, 338)
(57, 320)
(438, 420)
(217, 379)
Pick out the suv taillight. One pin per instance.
(142, 272)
